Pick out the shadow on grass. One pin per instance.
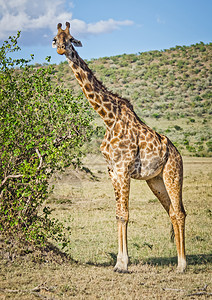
(112, 261)
(199, 259)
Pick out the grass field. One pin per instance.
(85, 202)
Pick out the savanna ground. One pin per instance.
(85, 202)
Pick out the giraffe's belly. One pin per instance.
(139, 165)
(144, 170)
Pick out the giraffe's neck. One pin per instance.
(104, 102)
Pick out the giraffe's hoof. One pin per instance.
(121, 268)
(118, 270)
(181, 268)
(121, 265)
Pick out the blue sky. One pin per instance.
(106, 28)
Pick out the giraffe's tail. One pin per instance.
(172, 233)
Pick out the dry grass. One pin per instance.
(87, 205)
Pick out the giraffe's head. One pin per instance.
(63, 40)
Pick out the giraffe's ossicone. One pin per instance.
(132, 150)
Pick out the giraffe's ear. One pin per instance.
(54, 43)
(75, 42)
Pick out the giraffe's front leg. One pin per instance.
(122, 258)
(121, 185)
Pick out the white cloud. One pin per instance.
(79, 27)
(31, 16)
(27, 15)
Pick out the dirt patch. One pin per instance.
(17, 251)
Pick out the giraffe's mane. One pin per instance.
(121, 100)
(105, 89)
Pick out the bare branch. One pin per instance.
(170, 289)
(200, 294)
(20, 175)
(10, 176)
(40, 157)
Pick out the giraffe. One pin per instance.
(132, 150)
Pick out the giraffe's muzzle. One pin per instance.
(61, 50)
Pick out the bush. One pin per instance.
(42, 129)
(178, 127)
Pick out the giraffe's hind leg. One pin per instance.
(168, 189)
(173, 180)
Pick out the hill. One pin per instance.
(170, 90)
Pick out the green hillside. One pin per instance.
(170, 90)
